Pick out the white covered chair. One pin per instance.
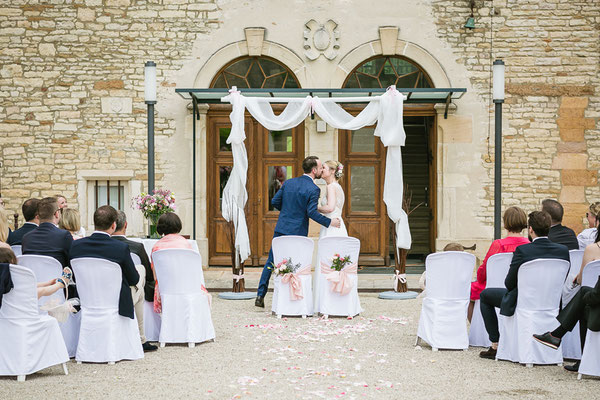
(29, 341)
(136, 259)
(571, 342)
(46, 268)
(590, 361)
(152, 322)
(331, 302)
(300, 250)
(497, 265)
(186, 316)
(17, 249)
(105, 336)
(443, 319)
(536, 311)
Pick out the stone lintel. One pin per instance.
(255, 38)
(388, 35)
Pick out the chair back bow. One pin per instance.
(293, 279)
(340, 280)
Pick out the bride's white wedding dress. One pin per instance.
(336, 213)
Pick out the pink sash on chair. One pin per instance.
(295, 282)
(340, 280)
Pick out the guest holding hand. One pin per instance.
(515, 220)
(169, 225)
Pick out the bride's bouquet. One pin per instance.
(338, 262)
(286, 266)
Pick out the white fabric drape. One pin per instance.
(385, 110)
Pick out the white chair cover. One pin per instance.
(136, 259)
(300, 250)
(186, 316)
(152, 322)
(16, 248)
(590, 361)
(571, 342)
(443, 320)
(332, 303)
(105, 336)
(537, 308)
(29, 342)
(46, 268)
(497, 266)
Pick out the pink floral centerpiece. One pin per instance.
(160, 202)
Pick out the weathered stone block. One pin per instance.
(572, 194)
(574, 102)
(572, 134)
(571, 147)
(579, 177)
(106, 85)
(570, 161)
(86, 14)
(47, 49)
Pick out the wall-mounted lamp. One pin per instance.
(470, 24)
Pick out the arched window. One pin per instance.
(383, 71)
(255, 72)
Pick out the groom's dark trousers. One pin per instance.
(297, 201)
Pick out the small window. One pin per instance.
(109, 192)
(381, 72)
(255, 72)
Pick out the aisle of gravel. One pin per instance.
(259, 356)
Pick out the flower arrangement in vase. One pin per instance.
(160, 202)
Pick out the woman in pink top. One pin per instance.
(169, 225)
(515, 220)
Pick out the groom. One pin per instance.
(297, 201)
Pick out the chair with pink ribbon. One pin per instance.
(338, 289)
(292, 293)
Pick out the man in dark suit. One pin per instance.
(30, 213)
(583, 308)
(558, 232)
(145, 287)
(48, 239)
(101, 245)
(540, 247)
(297, 200)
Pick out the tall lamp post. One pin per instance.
(150, 99)
(498, 96)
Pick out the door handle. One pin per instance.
(426, 196)
(259, 200)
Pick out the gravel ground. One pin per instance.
(259, 356)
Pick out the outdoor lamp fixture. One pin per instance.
(470, 24)
(498, 97)
(150, 99)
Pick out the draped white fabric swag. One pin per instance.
(385, 110)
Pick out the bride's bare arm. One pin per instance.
(330, 206)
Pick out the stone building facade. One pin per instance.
(72, 112)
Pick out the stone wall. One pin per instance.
(552, 108)
(71, 87)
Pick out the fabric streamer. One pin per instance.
(385, 110)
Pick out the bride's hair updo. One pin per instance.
(337, 168)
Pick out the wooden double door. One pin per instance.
(273, 157)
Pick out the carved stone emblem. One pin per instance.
(321, 39)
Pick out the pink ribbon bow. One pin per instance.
(238, 277)
(234, 90)
(295, 282)
(340, 279)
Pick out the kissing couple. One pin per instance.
(298, 200)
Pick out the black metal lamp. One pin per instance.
(150, 99)
(498, 97)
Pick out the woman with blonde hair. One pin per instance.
(70, 221)
(588, 236)
(333, 202)
(3, 228)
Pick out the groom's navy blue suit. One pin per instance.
(297, 201)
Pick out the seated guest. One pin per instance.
(169, 225)
(62, 204)
(588, 236)
(506, 299)
(559, 233)
(571, 286)
(4, 231)
(32, 221)
(515, 220)
(48, 239)
(43, 288)
(100, 245)
(70, 221)
(583, 308)
(145, 287)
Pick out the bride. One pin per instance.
(333, 202)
